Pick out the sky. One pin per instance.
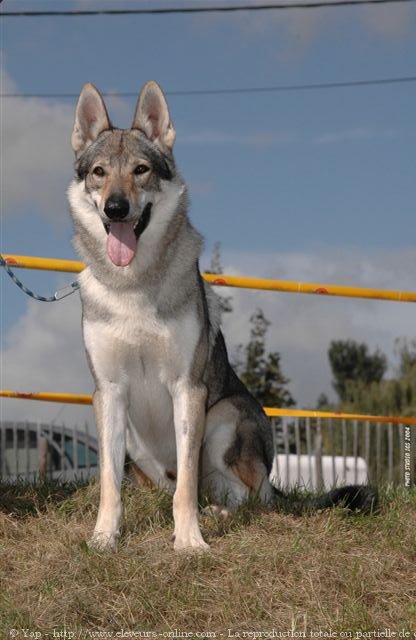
(312, 185)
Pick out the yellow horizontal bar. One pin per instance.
(73, 266)
(44, 264)
(73, 398)
(311, 287)
(301, 413)
(65, 398)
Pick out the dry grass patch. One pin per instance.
(265, 570)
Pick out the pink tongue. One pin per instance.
(121, 243)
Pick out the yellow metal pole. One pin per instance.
(311, 288)
(44, 264)
(302, 413)
(64, 398)
(74, 398)
(73, 266)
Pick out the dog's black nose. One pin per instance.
(116, 207)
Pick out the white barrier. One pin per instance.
(293, 470)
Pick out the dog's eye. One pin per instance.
(98, 171)
(141, 169)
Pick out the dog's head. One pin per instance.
(123, 171)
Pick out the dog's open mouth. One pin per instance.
(123, 237)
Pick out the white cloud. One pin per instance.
(44, 352)
(36, 157)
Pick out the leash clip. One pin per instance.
(66, 291)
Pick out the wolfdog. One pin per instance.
(165, 393)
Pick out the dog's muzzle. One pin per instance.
(122, 235)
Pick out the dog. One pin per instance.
(165, 393)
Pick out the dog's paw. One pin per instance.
(190, 543)
(103, 541)
(217, 511)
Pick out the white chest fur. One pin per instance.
(145, 356)
(127, 324)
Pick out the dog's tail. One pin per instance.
(359, 498)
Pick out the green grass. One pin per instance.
(265, 570)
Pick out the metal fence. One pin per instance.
(314, 453)
(31, 450)
(320, 453)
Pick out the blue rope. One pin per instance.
(58, 295)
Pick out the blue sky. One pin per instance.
(313, 185)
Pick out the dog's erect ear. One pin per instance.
(91, 118)
(153, 118)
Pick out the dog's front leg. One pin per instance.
(189, 417)
(110, 408)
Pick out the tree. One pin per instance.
(363, 389)
(323, 403)
(261, 372)
(396, 396)
(352, 363)
(215, 267)
(360, 383)
(407, 355)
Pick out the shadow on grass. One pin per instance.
(22, 498)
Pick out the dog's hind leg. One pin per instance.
(232, 467)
